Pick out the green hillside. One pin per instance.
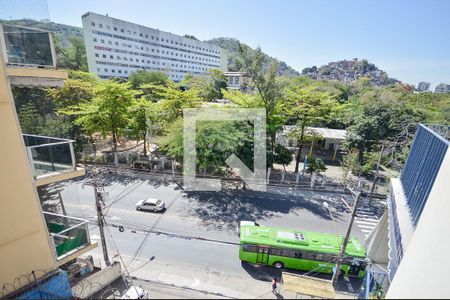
(231, 48)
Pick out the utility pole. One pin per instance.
(376, 175)
(345, 240)
(100, 222)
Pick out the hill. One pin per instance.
(350, 70)
(231, 48)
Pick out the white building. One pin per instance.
(442, 88)
(116, 48)
(411, 240)
(237, 80)
(423, 86)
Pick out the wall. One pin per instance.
(24, 242)
(423, 272)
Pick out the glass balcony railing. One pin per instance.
(49, 155)
(68, 234)
(27, 46)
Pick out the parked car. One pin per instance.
(135, 292)
(242, 223)
(150, 204)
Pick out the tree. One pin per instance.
(108, 112)
(29, 119)
(73, 92)
(315, 165)
(282, 156)
(140, 112)
(215, 142)
(172, 101)
(264, 80)
(141, 77)
(306, 106)
(73, 58)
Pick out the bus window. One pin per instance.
(276, 252)
(249, 248)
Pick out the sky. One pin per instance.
(409, 39)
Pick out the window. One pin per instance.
(117, 43)
(104, 55)
(153, 37)
(126, 72)
(98, 69)
(106, 70)
(112, 57)
(153, 50)
(131, 59)
(109, 42)
(114, 71)
(96, 55)
(120, 71)
(93, 24)
(121, 30)
(115, 28)
(100, 25)
(118, 57)
(146, 36)
(95, 39)
(140, 34)
(102, 41)
(250, 248)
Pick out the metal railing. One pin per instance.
(67, 233)
(49, 155)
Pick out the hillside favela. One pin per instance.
(245, 149)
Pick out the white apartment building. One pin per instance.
(116, 48)
(442, 88)
(423, 86)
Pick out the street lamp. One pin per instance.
(325, 203)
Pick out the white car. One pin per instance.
(150, 204)
(135, 292)
(243, 223)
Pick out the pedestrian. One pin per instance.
(274, 285)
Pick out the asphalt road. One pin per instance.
(193, 243)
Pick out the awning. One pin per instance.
(310, 286)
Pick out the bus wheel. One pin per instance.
(278, 265)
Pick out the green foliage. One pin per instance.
(215, 142)
(73, 57)
(315, 165)
(73, 92)
(231, 50)
(29, 119)
(141, 77)
(84, 76)
(107, 113)
(211, 86)
(282, 155)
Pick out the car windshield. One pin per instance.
(158, 202)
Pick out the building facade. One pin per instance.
(411, 241)
(423, 86)
(34, 245)
(237, 80)
(116, 48)
(442, 88)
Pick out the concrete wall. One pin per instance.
(24, 241)
(97, 281)
(423, 272)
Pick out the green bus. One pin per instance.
(306, 251)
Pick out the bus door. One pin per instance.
(262, 256)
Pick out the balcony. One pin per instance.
(51, 159)
(69, 235)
